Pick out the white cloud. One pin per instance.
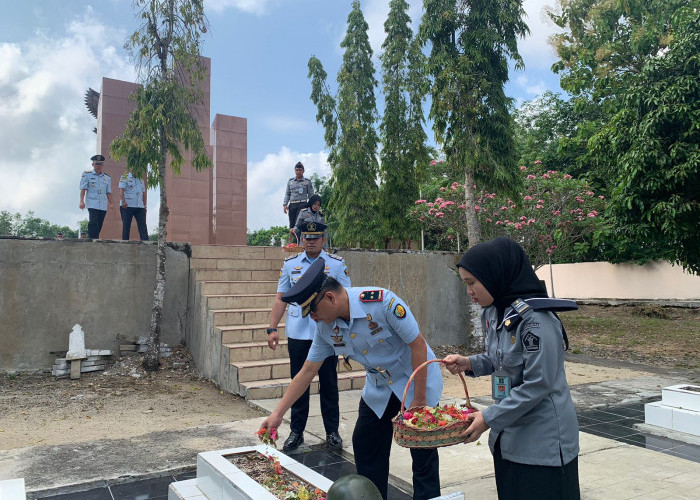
(533, 87)
(46, 134)
(535, 48)
(257, 7)
(267, 182)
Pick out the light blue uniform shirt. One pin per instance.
(295, 326)
(133, 190)
(380, 328)
(97, 187)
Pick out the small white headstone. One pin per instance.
(76, 344)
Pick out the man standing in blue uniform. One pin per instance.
(374, 327)
(98, 187)
(300, 331)
(132, 204)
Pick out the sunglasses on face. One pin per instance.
(316, 302)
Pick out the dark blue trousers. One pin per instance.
(327, 390)
(95, 220)
(140, 214)
(371, 442)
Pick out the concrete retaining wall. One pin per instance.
(429, 284)
(47, 286)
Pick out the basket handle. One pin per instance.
(423, 365)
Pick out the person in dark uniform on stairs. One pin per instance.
(296, 197)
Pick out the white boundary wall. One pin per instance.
(602, 280)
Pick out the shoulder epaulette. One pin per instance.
(336, 257)
(523, 308)
(371, 296)
(87, 171)
(291, 257)
(124, 176)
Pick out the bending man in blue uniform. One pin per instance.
(374, 327)
(300, 332)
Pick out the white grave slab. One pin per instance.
(678, 410)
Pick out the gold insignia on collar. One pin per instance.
(369, 317)
(512, 339)
(507, 323)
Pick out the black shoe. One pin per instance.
(334, 441)
(293, 441)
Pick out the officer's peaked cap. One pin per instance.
(308, 286)
(312, 230)
(97, 158)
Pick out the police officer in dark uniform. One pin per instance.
(374, 327)
(97, 185)
(534, 428)
(299, 190)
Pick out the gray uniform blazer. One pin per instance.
(537, 422)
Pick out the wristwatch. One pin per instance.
(270, 330)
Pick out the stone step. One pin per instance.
(232, 317)
(255, 351)
(247, 333)
(238, 287)
(237, 274)
(249, 371)
(240, 264)
(236, 252)
(267, 389)
(256, 300)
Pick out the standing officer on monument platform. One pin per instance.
(132, 204)
(300, 331)
(375, 328)
(98, 186)
(299, 190)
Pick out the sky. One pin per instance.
(51, 51)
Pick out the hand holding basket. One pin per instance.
(409, 436)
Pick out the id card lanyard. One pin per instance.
(500, 380)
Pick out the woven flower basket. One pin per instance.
(293, 249)
(412, 437)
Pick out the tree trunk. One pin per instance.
(151, 362)
(474, 236)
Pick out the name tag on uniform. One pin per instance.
(301, 190)
(500, 385)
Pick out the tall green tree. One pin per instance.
(401, 130)
(604, 46)
(166, 49)
(472, 42)
(349, 122)
(653, 143)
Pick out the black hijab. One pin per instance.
(502, 266)
(313, 199)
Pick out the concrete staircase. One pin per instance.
(232, 289)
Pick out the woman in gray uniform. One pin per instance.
(312, 213)
(534, 429)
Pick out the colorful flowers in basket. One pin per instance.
(427, 417)
(268, 437)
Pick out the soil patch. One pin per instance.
(123, 401)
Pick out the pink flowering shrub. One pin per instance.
(552, 217)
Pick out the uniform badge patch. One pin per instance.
(337, 338)
(373, 325)
(336, 329)
(400, 311)
(512, 339)
(371, 296)
(531, 342)
(374, 332)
